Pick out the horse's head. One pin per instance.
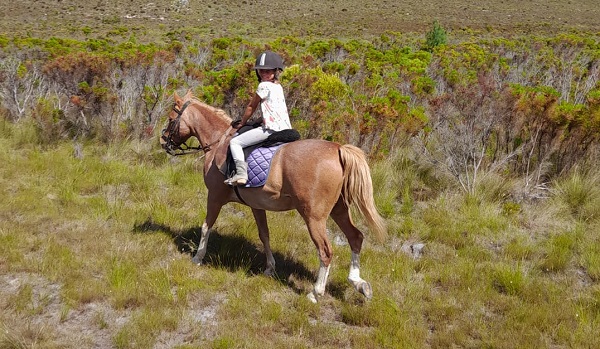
(177, 130)
(192, 118)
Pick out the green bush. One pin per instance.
(371, 93)
(435, 37)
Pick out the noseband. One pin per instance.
(171, 146)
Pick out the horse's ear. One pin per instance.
(177, 99)
(188, 95)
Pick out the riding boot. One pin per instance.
(241, 173)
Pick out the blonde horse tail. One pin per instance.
(357, 188)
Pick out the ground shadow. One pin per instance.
(236, 253)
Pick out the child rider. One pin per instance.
(269, 95)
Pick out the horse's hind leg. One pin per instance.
(260, 216)
(341, 216)
(318, 234)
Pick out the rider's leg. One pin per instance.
(237, 144)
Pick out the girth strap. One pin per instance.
(237, 192)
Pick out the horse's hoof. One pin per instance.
(366, 290)
(196, 260)
(269, 272)
(311, 297)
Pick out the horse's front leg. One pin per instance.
(202, 246)
(260, 216)
(212, 212)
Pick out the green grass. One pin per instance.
(580, 194)
(96, 251)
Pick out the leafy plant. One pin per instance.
(435, 37)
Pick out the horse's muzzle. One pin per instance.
(167, 144)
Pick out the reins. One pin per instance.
(183, 149)
(173, 128)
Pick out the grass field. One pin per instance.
(96, 239)
(95, 253)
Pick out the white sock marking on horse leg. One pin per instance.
(204, 234)
(359, 284)
(321, 279)
(354, 275)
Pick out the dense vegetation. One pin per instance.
(485, 149)
(530, 105)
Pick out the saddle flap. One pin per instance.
(259, 163)
(266, 150)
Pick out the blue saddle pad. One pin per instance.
(259, 163)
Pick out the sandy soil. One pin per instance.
(271, 18)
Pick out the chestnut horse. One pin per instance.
(316, 177)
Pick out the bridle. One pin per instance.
(171, 147)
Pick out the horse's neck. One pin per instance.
(208, 127)
(211, 130)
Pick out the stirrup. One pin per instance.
(236, 181)
(239, 180)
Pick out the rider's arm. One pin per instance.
(250, 108)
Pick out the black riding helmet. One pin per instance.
(268, 60)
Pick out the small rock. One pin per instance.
(415, 250)
(340, 241)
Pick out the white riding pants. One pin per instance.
(246, 139)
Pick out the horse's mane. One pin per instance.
(218, 112)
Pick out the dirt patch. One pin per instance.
(42, 313)
(43, 316)
(263, 19)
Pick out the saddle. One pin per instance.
(259, 156)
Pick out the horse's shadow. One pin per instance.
(236, 253)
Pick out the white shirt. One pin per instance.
(273, 107)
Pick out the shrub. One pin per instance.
(435, 37)
(319, 48)
(542, 96)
